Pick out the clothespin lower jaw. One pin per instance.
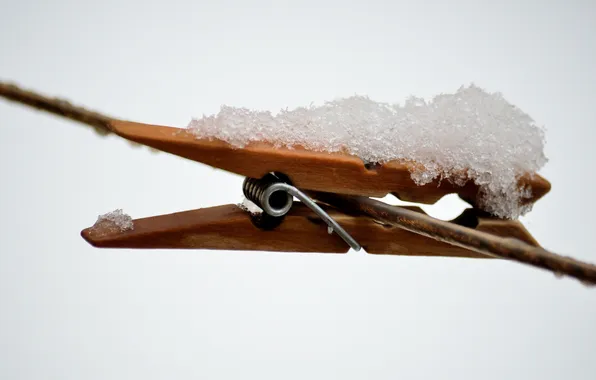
(229, 227)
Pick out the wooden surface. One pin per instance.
(308, 170)
(228, 227)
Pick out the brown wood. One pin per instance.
(329, 172)
(230, 228)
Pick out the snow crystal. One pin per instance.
(248, 206)
(116, 218)
(468, 135)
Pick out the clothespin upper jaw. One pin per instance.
(309, 170)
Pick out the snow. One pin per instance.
(248, 206)
(117, 219)
(468, 135)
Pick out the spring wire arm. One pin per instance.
(272, 194)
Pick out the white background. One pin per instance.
(69, 311)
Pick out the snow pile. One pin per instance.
(468, 135)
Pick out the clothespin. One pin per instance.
(298, 228)
(334, 211)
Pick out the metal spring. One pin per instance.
(276, 197)
(262, 193)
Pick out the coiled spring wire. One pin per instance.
(275, 197)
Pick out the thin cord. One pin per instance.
(477, 241)
(57, 106)
(61, 107)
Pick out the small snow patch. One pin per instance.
(117, 219)
(248, 206)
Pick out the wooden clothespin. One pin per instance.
(334, 211)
